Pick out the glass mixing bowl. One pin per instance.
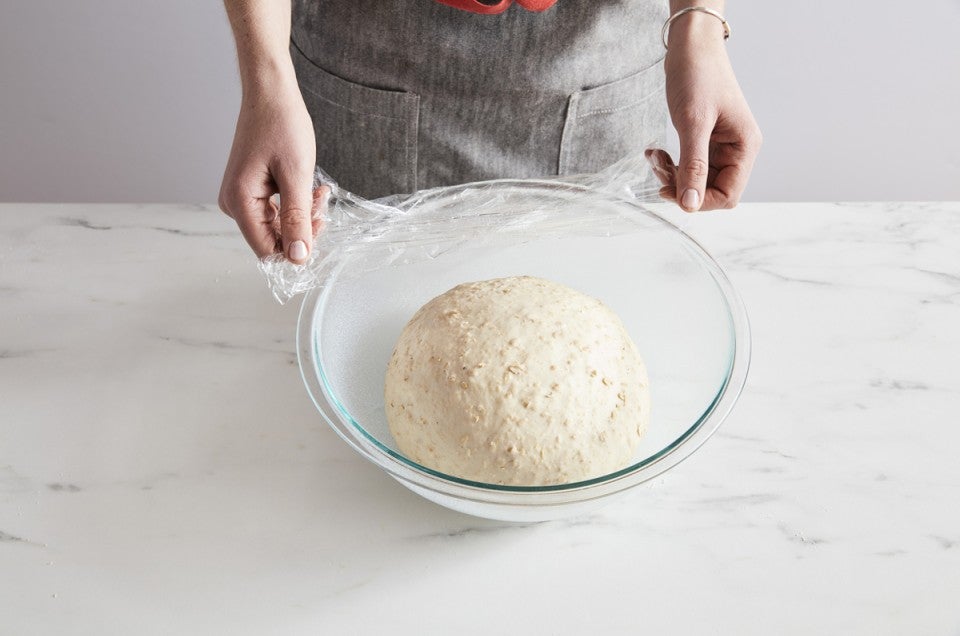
(685, 317)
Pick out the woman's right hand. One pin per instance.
(274, 152)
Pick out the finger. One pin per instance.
(321, 198)
(725, 190)
(669, 190)
(694, 163)
(255, 219)
(727, 185)
(669, 193)
(662, 165)
(296, 204)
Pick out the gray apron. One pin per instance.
(412, 94)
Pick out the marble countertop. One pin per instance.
(163, 471)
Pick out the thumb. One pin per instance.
(694, 166)
(296, 204)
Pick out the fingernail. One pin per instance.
(297, 251)
(691, 199)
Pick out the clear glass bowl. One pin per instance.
(685, 317)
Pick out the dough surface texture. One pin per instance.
(517, 381)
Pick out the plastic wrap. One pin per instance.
(408, 228)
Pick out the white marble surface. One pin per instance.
(162, 470)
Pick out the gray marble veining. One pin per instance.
(163, 471)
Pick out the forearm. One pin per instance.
(719, 139)
(261, 29)
(677, 5)
(695, 28)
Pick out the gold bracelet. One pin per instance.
(707, 10)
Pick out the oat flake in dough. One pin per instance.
(518, 381)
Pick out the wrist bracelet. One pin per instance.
(707, 10)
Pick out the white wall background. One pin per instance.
(113, 100)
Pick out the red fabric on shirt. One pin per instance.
(536, 5)
(475, 6)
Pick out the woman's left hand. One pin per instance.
(719, 139)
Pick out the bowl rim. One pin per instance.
(406, 470)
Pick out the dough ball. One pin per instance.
(517, 381)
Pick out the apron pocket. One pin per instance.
(366, 137)
(611, 121)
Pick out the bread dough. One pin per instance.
(517, 381)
